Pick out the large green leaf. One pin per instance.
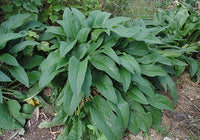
(167, 82)
(68, 23)
(6, 121)
(115, 21)
(71, 100)
(152, 70)
(101, 18)
(77, 71)
(143, 85)
(30, 62)
(83, 35)
(65, 47)
(160, 102)
(105, 119)
(105, 86)
(4, 77)
(87, 83)
(21, 46)
(19, 73)
(193, 66)
(106, 64)
(137, 95)
(9, 59)
(181, 17)
(56, 30)
(111, 53)
(129, 62)
(126, 78)
(80, 19)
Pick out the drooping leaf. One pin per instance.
(87, 83)
(106, 64)
(65, 47)
(167, 82)
(71, 100)
(77, 71)
(193, 66)
(9, 59)
(101, 18)
(115, 21)
(126, 78)
(160, 102)
(137, 95)
(129, 62)
(55, 30)
(143, 85)
(4, 77)
(83, 35)
(152, 70)
(6, 121)
(21, 46)
(111, 53)
(105, 120)
(19, 73)
(105, 86)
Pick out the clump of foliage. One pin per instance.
(107, 74)
(18, 39)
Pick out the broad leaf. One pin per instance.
(106, 64)
(105, 86)
(126, 78)
(143, 85)
(105, 120)
(152, 70)
(56, 30)
(83, 35)
(137, 95)
(193, 66)
(167, 82)
(87, 83)
(21, 46)
(71, 100)
(9, 59)
(115, 21)
(30, 62)
(6, 121)
(65, 47)
(160, 102)
(111, 53)
(129, 62)
(4, 77)
(19, 74)
(77, 71)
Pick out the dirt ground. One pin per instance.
(183, 124)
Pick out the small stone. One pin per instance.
(166, 138)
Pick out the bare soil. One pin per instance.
(183, 124)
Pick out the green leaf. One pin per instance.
(124, 109)
(56, 30)
(106, 64)
(126, 78)
(111, 53)
(30, 62)
(9, 59)
(143, 85)
(96, 33)
(71, 100)
(4, 77)
(101, 18)
(193, 66)
(48, 74)
(166, 81)
(83, 35)
(105, 120)
(87, 83)
(137, 95)
(7, 37)
(6, 121)
(152, 70)
(80, 19)
(30, 7)
(19, 74)
(14, 108)
(129, 62)
(68, 24)
(105, 86)
(34, 77)
(21, 46)
(181, 17)
(178, 62)
(77, 71)
(115, 21)
(160, 102)
(65, 47)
